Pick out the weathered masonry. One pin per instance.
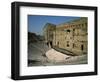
(71, 36)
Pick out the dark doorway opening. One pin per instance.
(57, 44)
(51, 44)
(82, 47)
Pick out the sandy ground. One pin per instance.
(60, 58)
(56, 56)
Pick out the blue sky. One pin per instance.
(36, 22)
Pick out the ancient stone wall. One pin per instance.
(71, 36)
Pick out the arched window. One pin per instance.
(68, 30)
